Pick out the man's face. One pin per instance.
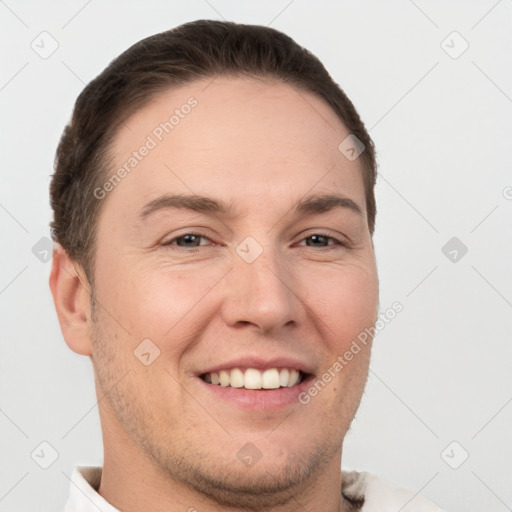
(261, 286)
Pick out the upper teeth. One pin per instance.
(251, 378)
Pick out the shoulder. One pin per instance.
(378, 495)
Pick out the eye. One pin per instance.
(319, 239)
(192, 241)
(188, 240)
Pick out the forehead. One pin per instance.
(228, 137)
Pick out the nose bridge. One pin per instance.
(260, 289)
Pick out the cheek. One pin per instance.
(352, 310)
(347, 302)
(155, 302)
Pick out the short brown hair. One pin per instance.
(196, 50)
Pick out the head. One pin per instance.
(206, 221)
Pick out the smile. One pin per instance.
(251, 378)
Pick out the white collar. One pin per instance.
(83, 491)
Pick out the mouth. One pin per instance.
(254, 379)
(256, 384)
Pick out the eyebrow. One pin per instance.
(310, 205)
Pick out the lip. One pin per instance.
(263, 400)
(260, 364)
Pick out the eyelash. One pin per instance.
(318, 233)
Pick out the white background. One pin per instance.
(441, 370)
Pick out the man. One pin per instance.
(213, 212)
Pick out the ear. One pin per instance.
(71, 296)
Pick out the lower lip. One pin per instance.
(258, 399)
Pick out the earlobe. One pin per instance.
(71, 296)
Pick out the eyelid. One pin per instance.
(338, 240)
(182, 235)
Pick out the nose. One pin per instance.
(261, 294)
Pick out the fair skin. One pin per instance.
(171, 439)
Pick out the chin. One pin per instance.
(254, 487)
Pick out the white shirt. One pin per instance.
(379, 495)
